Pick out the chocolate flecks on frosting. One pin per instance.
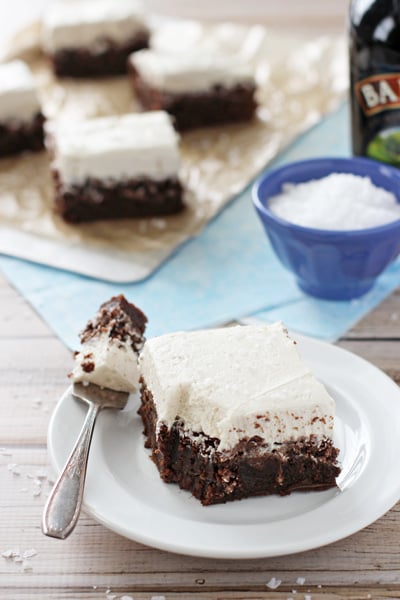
(88, 366)
(120, 320)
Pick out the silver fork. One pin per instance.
(63, 506)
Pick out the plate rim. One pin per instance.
(296, 546)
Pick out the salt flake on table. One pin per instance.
(13, 467)
(301, 580)
(41, 474)
(274, 583)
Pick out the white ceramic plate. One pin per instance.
(125, 493)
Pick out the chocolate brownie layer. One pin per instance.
(108, 59)
(195, 464)
(18, 136)
(218, 106)
(120, 319)
(133, 198)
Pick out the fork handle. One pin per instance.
(63, 506)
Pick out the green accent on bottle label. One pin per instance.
(386, 146)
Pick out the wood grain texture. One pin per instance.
(93, 556)
(368, 561)
(328, 15)
(383, 322)
(101, 592)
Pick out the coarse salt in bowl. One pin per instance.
(328, 259)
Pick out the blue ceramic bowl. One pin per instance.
(336, 265)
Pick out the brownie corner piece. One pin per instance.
(20, 136)
(21, 119)
(93, 39)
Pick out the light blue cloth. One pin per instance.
(228, 272)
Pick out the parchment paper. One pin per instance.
(299, 81)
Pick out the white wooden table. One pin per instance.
(33, 367)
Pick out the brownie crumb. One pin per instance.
(88, 366)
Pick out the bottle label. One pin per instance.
(378, 93)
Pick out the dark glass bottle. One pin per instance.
(375, 79)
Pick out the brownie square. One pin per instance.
(117, 167)
(234, 412)
(194, 89)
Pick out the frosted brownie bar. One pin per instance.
(21, 120)
(197, 88)
(110, 346)
(93, 39)
(234, 412)
(116, 167)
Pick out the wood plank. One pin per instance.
(329, 15)
(33, 376)
(383, 354)
(95, 556)
(383, 322)
(32, 355)
(17, 317)
(115, 593)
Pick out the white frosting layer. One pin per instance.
(115, 364)
(117, 147)
(237, 382)
(189, 71)
(18, 99)
(82, 24)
